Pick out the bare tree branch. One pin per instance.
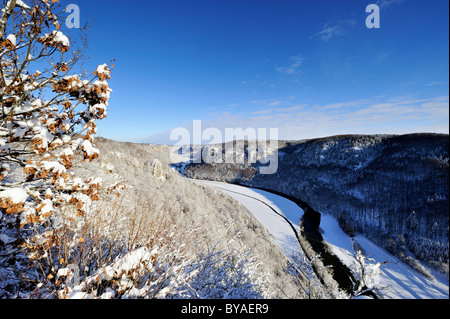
(9, 8)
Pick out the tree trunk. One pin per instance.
(10, 5)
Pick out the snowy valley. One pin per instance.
(393, 280)
(389, 192)
(167, 236)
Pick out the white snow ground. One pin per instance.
(252, 199)
(397, 280)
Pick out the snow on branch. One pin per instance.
(47, 118)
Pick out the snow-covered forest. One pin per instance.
(393, 189)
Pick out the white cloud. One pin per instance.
(336, 29)
(328, 32)
(377, 115)
(292, 68)
(354, 103)
(398, 115)
(268, 111)
(435, 83)
(298, 107)
(387, 3)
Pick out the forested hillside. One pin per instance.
(394, 189)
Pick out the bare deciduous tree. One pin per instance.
(366, 272)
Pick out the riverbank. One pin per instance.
(395, 280)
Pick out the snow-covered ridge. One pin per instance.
(218, 220)
(229, 222)
(377, 182)
(393, 280)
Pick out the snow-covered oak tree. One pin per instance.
(48, 116)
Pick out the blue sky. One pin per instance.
(309, 68)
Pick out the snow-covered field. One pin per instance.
(395, 279)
